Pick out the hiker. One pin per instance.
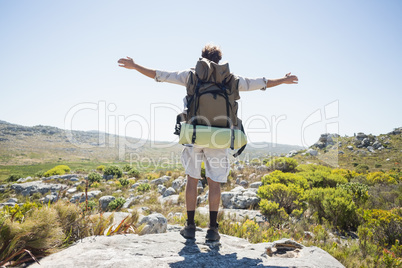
(216, 161)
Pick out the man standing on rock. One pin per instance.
(216, 161)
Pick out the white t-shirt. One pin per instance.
(181, 77)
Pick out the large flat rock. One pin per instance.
(172, 250)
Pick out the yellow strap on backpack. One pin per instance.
(212, 137)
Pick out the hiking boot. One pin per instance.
(188, 231)
(212, 233)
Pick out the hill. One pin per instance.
(362, 152)
(27, 150)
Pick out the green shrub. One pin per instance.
(334, 205)
(285, 178)
(100, 168)
(380, 177)
(14, 177)
(321, 176)
(124, 182)
(288, 197)
(94, 177)
(114, 170)
(386, 226)
(144, 187)
(40, 174)
(134, 173)
(284, 164)
(57, 170)
(126, 168)
(362, 168)
(117, 203)
(358, 191)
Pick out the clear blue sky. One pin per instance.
(57, 55)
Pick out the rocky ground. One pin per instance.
(170, 249)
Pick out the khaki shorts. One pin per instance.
(217, 165)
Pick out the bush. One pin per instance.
(321, 176)
(114, 170)
(14, 177)
(144, 187)
(362, 168)
(334, 205)
(284, 164)
(126, 168)
(380, 177)
(386, 226)
(285, 178)
(117, 203)
(40, 174)
(134, 173)
(57, 170)
(94, 177)
(288, 197)
(100, 168)
(358, 191)
(124, 182)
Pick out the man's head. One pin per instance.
(212, 52)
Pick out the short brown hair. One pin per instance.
(212, 52)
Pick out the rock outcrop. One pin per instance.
(172, 250)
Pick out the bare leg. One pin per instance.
(214, 195)
(191, 193)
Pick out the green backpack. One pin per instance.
(212, 94)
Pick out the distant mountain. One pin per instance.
(22, 145)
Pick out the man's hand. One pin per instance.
(290, 79)
(127, 63)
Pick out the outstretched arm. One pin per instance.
(128, 63)
(288, 79)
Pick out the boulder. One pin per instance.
(255, 184)
(179, 184)
(350, 147)
(161, 180)
(80, 197)
(29, 188)
(170, 249)
(155, 223)
(161, 189)
(239, 198)
(105, 200)
(50, 198)
(312, 152)
(361, 136)
(169, 191)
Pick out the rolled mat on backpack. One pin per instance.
(212, 137)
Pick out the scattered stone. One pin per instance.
(105, 200)
(239, 198)
(361, 136)
(108, 177)
(80, 197)
(171, 199)
(312, 152)
(161, 189)
(179, 184)
(255, 184)
(155, 223)
(291, 153)
(169, 191)
(350, 147)
(341, 152)
(12, 200)
(244, 183)
(72, 190)
(50, 198)
(161, 180)
(29, 188)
